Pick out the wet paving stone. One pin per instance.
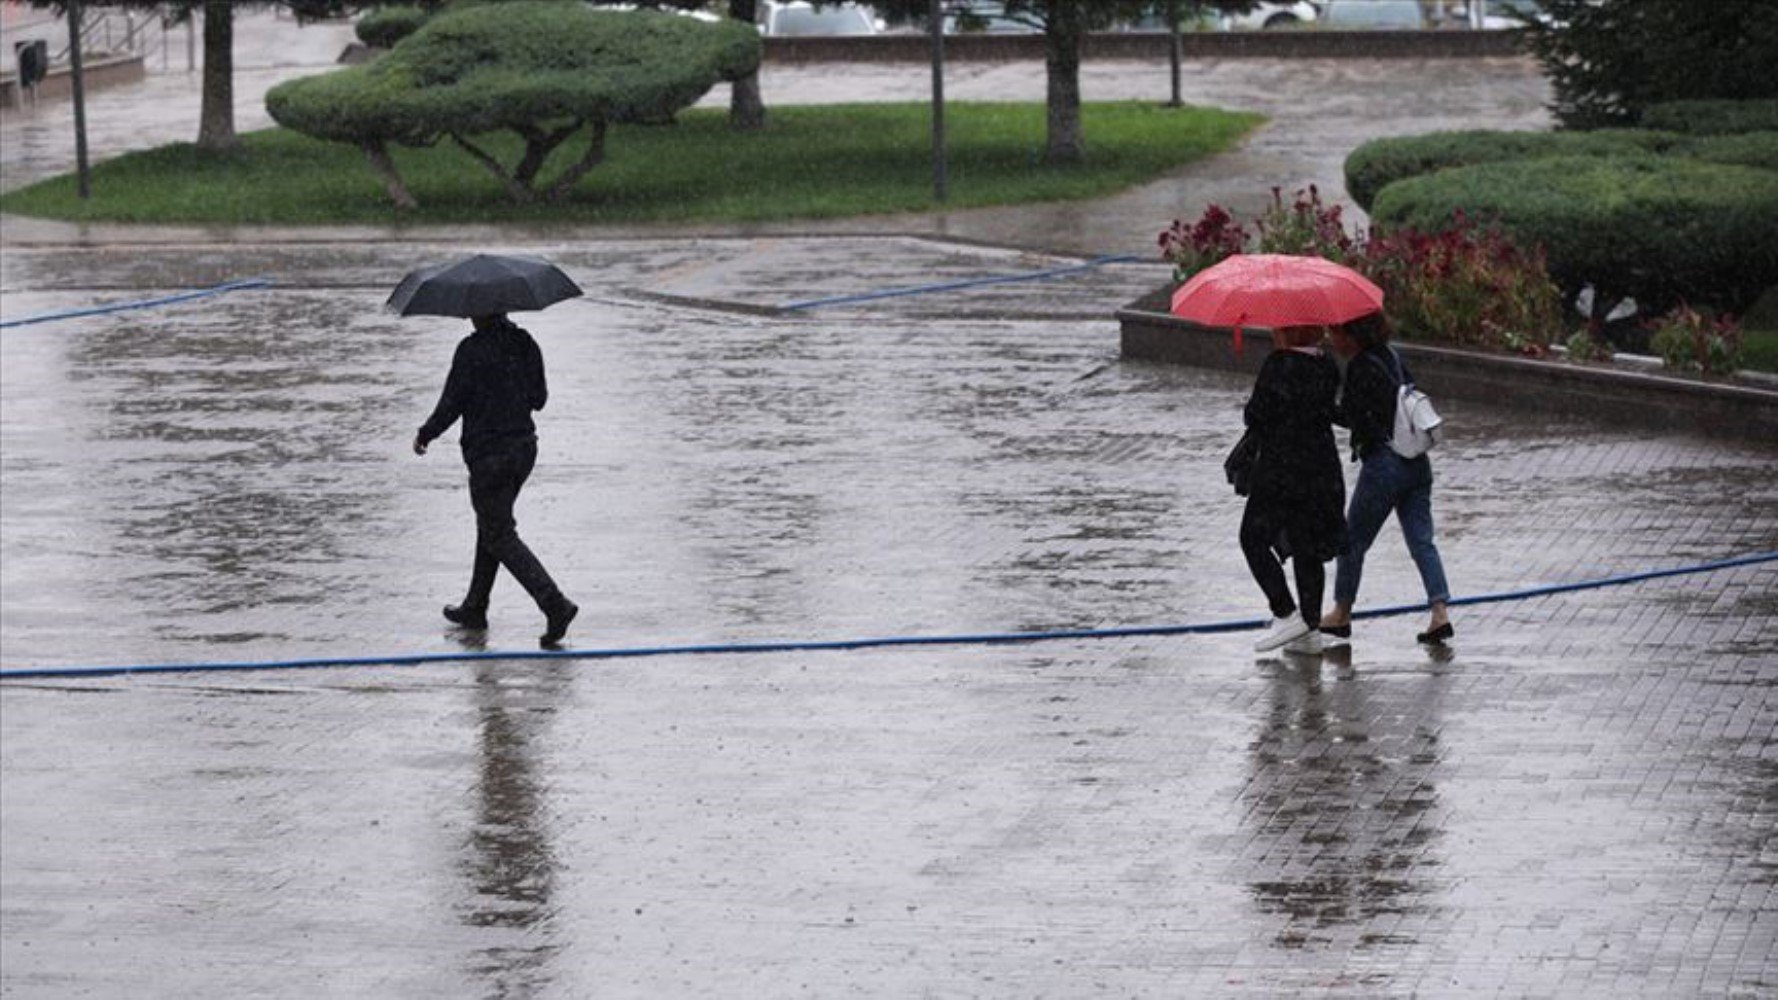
(1578, 799)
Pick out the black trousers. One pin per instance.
(1262, 561)
(494, 483)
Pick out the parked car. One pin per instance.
(1399, 15)
(975, 16)
(1271, 15)
(803, 19)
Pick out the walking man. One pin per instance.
(496, 382)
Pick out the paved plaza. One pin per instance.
(1579, 798)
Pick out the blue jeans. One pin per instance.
(1387, 482)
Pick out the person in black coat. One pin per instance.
(496, 382)
(1296, 503)
(1387, 482)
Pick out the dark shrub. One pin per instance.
(1713, 117)
(1660, 229)
(1609, 62)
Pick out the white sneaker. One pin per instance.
(1309, 644)
(1283, 630)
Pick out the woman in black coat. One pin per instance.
(1296, 503)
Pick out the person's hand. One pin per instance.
(419, 445)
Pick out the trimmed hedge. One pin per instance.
(518, 65)
(1378, 163)
(384, 26)
(1713, 117)
(544, 69)
(1750, 149)
(1660, 229)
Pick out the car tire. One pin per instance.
(1281, 21)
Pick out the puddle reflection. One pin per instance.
(1345, 804)
(510, 867)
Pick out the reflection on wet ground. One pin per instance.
(1576, 800)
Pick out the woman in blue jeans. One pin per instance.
(1387, 482)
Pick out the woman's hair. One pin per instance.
(1370, 330)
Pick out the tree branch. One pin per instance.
(595, 155)
(519, 193)
(385, 168)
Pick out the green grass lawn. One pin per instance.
(809, 162)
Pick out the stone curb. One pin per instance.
(1598, 392)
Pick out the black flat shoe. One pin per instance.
(466, 617)
(1437, 635)
(1337, 631)
(559, 617)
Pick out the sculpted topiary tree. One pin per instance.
(545, 70)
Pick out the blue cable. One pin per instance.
(831, 645)
(953, 285)
(231, 286)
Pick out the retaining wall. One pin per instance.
(1154, 45)
(1610, 393)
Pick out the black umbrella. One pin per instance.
(482, 285)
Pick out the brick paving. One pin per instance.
(1577, 801)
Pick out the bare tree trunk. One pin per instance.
(216, 118)
(1062, 39)
(538, 145)
(378, 155)
(746, 109)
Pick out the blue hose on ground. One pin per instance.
(232, 286)
(832, 645)
(1004, 279)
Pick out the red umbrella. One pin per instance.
(1275, 290)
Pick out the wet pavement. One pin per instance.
(1578, 799)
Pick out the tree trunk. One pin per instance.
(379, 159)
(216, 119)
(519, 193)
(746, 110)
(1062, 38)
(595, 155)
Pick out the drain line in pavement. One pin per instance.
(947, 286)
(232, 286)
(836, 645)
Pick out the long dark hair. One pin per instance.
(1370, 330)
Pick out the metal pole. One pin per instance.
(77, 77)
(938, 101)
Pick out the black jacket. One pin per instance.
(1298, 494)
(1367, 399)
(496, 381)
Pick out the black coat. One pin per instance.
(496, 381)
(1299, 494)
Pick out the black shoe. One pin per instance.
(560, 614)
(465, 616)
(1337, 631)
(1437, 636)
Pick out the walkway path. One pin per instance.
(1576, 800)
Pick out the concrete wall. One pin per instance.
(1606, 393)
(98, 73)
